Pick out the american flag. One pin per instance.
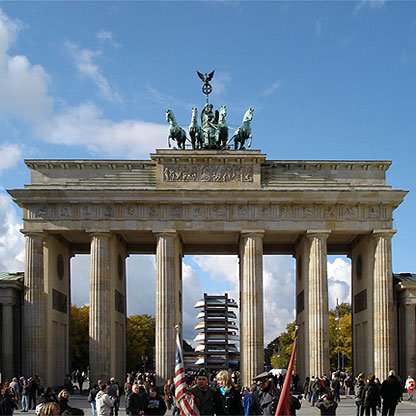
(184, 400)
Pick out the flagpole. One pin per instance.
(283, 406)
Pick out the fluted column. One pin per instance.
(384, 359)
(166, 287)
(251, 305)
(318, 304)
(7, 338)
(34, 308)
(100, 307)
(408, 333)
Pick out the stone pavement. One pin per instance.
(345, 408)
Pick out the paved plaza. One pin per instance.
(346, 407)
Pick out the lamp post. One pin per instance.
(337, 328)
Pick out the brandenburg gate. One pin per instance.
(205, 202)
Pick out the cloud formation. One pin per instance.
(84, 62)
(12, 244)
(271, 89)
(10, 155)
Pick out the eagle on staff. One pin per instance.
(206, 87)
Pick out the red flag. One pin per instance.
(184, 400)
(283, 406)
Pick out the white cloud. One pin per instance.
(10, 155)
(339, 281)
(12, 244)
(372, 4)
(271, 89)
(220, 268)
(80, 280)
(85, 126)
(106, 36)
(23, 87)
(219, 82)
(84, 62)
(191, 292)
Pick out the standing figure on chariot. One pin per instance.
(209, 122)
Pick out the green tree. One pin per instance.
(79, 337)
(281, 357)
(140, 342)
(345, 337)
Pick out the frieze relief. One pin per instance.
(266, 211)
(208, 173)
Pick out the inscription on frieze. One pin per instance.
(360, 301)
(208, 173)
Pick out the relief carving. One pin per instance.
(308, 212)
(42, 211)
(130, 211)
(153, 212)
(108, 212)
(241, 212)
(86, 211)
(373, 212)
(329, 212)
(263, 212)
(64, 212)
(285, 211)
(176, 211)
(350, 212)
(219, 212)
(208, 173)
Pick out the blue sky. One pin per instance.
(327, 80)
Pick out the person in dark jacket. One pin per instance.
(229, 402)
(265, 399)
(327, 405)
(136, 401)
(371, 397)
(391, 392)
(335, 388)
(207, 396)
(294, 404)
(155, 405)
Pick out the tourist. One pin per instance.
(391, 392)
(248, 398)
(103, 402)
(33, 389)
(358, 392)
(207, 397)
(135, 402)
(91, 398)
(128, 385)
(265, 399)
(64, 407)
(335, 388)
(348, 385)
(155, 405)
(410, 388)
(166, 391)
(327, 405)
(229, 398)
(14, 388)
(25, 396)
(113, 390)
(315, 388)
(176, 409)
(306, 389)
(371, 397)
(8, 403)
(50, 409)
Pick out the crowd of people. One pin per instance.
(218, 393)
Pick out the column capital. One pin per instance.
(33, 234)
(98, 233)
(166, 233)
(318, 233)
(383, 233)
(252, 233)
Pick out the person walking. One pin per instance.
(391, 392)
(306, 389)
(103, 402)
(25, 396)
(91, 399)
(315, 387)
(410, 388)
(113, 390)
(229, 395)
(371, 397)
(335, 388)
(327, 405)
(266, 398)
(135, 401)
(155, 404)
(166, 392)
(358, 393)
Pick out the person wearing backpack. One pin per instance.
(371, 396)
(91, 399)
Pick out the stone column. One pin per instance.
(166, 287)
(384, 358)
(34, 308)
(409, 339)
(251, 305)
(318, 304)
(100, 307)
(7, 344)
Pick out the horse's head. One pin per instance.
(194, 113)
(248, 116)
(223, 112)
(168, 115)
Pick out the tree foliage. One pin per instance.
(79, 337)
(345, 337)
(280, 349)
(140, 342)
